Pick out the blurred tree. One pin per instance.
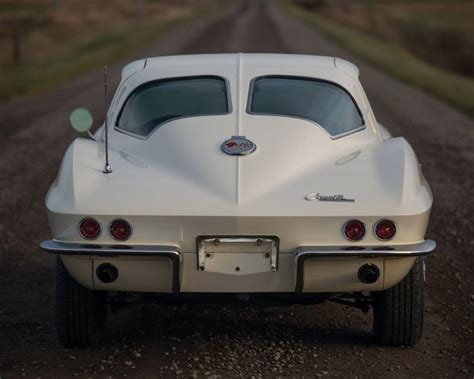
(16, 28)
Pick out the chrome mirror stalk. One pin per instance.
(91, 136)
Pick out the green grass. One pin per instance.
(80, 58)
(452, 88)
(15, 7)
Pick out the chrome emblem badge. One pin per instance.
(336, 198)
(238, 145)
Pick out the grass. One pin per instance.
(103, 48)
(15, 7)
(450, 87)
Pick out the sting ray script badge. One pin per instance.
(238, 145)
(336, 198)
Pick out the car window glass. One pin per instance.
(154, 103)
(324, 103)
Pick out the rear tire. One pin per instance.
(398, 311)
(81, 313)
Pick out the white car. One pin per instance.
(243, 175)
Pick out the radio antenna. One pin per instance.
(107, 168)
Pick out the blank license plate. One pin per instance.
(238, 255)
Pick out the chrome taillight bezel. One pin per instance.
(129, 228)
(382, 220)
(79, 227)
(348, 222)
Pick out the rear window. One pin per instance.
(152, 104)
(324, 103)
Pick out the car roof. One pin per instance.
(239, 70)
(264, 64)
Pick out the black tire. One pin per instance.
(81, 313)
(398, 311)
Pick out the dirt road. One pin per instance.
(318, 340)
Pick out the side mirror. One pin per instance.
(81, 120)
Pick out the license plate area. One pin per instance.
(237, 255)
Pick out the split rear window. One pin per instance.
(322, 102)
(150, 105)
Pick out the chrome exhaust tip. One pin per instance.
(368, 273)
(107, 273)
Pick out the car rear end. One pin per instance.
(241, 254)
(254, 192)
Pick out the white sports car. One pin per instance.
(244, 175)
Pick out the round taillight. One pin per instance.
(354, 230)
(385, 230)
(90, 229)
(120, 230)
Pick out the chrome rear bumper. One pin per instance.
(171, 252)
(303, 253)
